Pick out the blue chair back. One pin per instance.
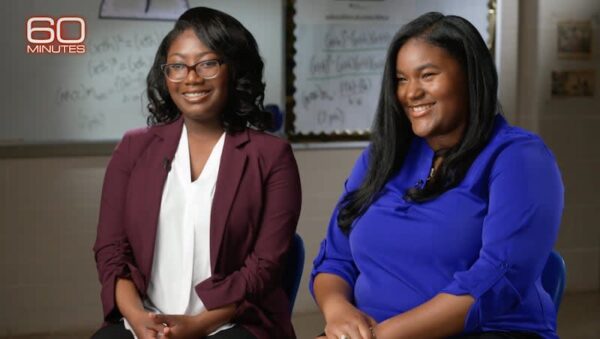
(554, 277)
(292, 273)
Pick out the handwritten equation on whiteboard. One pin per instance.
(340, 53)
(111, 81)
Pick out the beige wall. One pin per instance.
(47, 275)
(323, 173)
(570, 126)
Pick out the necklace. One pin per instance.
(438, 157)
(431, 173)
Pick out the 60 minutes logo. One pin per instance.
(46, 35)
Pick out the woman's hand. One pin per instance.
(178, 326)
(143, 325)
(342, 318)
(130, 305)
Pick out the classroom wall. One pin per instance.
(570, 126)
(49, 206)
(48, 211)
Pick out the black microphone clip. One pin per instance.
(167, 164)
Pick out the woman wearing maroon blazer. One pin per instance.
(199, 209)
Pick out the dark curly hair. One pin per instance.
(238, 49)
(392, 133)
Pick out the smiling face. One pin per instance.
(198, 99)
(432, 89)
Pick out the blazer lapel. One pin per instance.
(233, 163)
(156, 164)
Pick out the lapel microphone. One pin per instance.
(167, 164)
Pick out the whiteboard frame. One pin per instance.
(54, 150)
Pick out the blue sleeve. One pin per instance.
(519, 230)
(335, 255)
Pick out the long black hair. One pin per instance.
(392, 132)
(238, 49)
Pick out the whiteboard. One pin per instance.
(340, 50)
(97, 96)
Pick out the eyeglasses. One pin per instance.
(208, 69)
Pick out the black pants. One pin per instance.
(499, 335)
(491, 335)
(118, 331)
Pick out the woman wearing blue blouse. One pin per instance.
(448, 217)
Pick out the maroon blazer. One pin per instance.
(253, 219)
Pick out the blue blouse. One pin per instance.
(488, 237)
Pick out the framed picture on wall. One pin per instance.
(574, 39)
(575, 83)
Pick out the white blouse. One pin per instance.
(182, 246)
